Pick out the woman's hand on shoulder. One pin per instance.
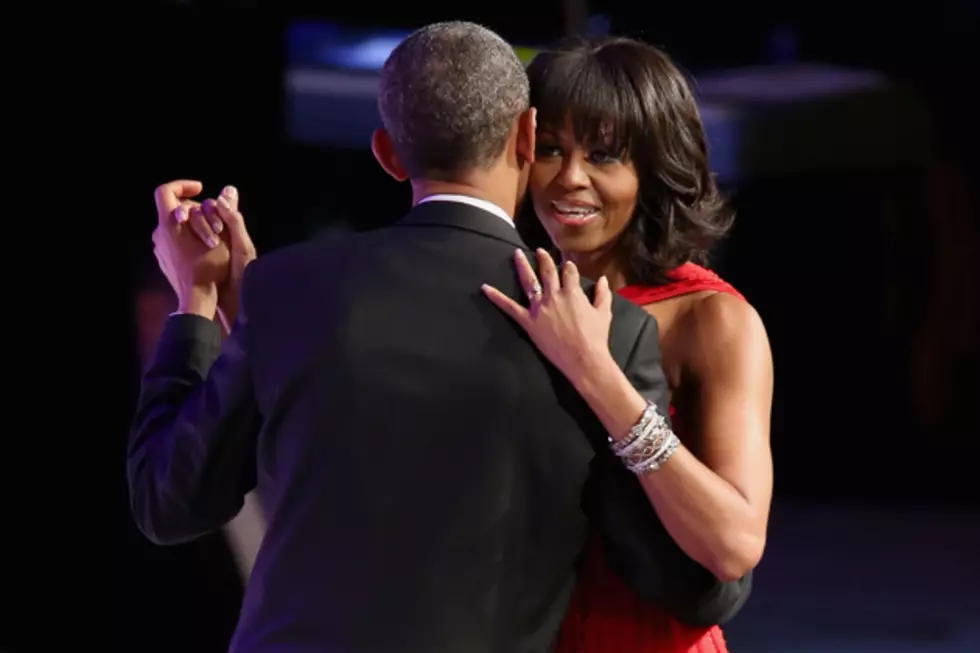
(571, 330)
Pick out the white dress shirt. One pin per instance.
(472, 201)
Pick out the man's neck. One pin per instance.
(423, 188)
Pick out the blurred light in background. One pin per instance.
(330, 46)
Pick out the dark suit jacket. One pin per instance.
(422, 467)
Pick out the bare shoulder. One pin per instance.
(722, 329)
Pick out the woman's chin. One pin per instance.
(572, 240)
(575, 246)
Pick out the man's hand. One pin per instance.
(224, 211)
(193, 269)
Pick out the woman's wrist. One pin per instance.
(611, 396)
(596, 370)
(198, 300)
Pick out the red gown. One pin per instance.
(605, 616)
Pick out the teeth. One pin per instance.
(574, 209)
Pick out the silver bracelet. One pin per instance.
(656, 461)
(652, 448)
(648, 445)
(648, 435)
(649, 413)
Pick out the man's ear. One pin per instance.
(527, 125)
(384, 152)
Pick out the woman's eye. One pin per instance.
(600, 156)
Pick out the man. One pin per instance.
(421, 467)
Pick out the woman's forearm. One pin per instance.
(707, 517)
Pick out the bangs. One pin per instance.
(597, 96)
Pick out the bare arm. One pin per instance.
(715, 508)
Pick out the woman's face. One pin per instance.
(583, 194)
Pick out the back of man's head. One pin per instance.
(449, 96)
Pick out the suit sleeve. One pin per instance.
(191, 457)
(637, 546)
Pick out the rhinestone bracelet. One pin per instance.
(648, 445)
(656, 461)
(649, 413)
(649, 442)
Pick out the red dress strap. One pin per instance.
(685, 279)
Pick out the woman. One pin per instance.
(622, 188)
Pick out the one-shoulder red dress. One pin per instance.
(605, 616)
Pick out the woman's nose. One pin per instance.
(573, 173)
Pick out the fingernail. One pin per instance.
(519, 253)
(217, 226)
(179, 214)
(230, 192)
(224, 203)
(212, 242)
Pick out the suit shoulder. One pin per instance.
(630, 325)
(293, 258)
(628, 317)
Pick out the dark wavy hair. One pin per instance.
(629, 94)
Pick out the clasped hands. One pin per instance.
(202, 248)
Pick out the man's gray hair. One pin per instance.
(449, 95)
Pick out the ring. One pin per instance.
(534, 292)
